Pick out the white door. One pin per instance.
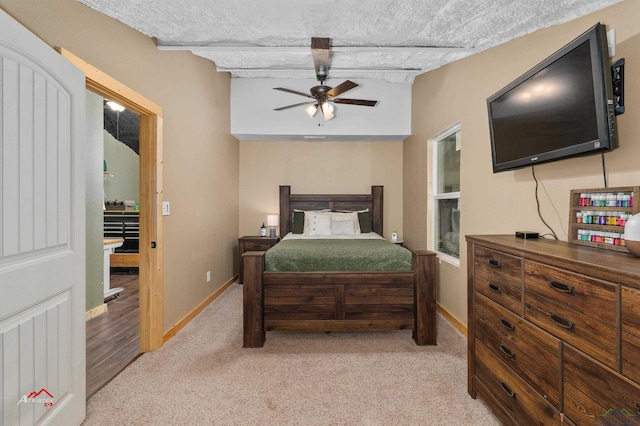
(42, 236)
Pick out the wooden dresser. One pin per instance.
(554, 331)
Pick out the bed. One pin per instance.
(326, 299)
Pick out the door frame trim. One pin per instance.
(151, 292)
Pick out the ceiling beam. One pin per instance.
(223, 47)
(333, 70)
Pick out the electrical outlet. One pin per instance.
(208, 276)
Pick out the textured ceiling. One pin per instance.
(392, 40)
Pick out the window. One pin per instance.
(445, 194)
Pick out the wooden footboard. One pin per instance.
(339, 301)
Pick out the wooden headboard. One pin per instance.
(351, 202)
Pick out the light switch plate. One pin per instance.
(166, 208)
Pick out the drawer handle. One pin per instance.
(495, 288)
(508, 352)
(507, 389)
(495, 263)
(561, 287)
(562, 322)
(507, 324)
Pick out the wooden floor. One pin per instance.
(113, 338)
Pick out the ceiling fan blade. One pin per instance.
(294, 105)
(363, 102)
(341, 88)
(320, 51)
(295, 92)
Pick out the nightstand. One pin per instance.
(398, 242)
(253, 243)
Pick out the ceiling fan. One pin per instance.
(323, 95)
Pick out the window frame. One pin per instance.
(434, 194)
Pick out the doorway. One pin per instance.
(113, 337)
(120, 187)
(150, 197)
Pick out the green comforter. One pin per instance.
(337, 255)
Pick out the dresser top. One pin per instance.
(618, 267)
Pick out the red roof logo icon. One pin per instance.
(35, 394)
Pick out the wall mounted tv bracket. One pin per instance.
(617, 73)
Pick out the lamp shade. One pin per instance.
(327, 110)
(632, 234)
(272, 220)
(311, 110)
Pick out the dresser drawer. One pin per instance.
(520, 401)
(631, 356)
(514, 329)
(630, 318)
(585, 333)
(589, 296)
(592, 391)
(528, 351)
(630, 300)
(499, 277)
(257, 245)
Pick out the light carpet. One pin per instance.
(203, 376)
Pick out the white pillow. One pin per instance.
(305, 226)
(343, 227)
(344, 215)
(348, 217)
(317, 224)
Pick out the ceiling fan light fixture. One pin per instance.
(320, 51)
(327, 110)
(311, 110)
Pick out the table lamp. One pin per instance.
(272, 223)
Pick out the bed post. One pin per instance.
(253, 300)
(285, 212)
(378, 206)
(424, 270)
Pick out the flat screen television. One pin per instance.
(563, 107)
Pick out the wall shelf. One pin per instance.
(597, 216)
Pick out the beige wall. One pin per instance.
(317, 168)
(505, 202)
(200, 157)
